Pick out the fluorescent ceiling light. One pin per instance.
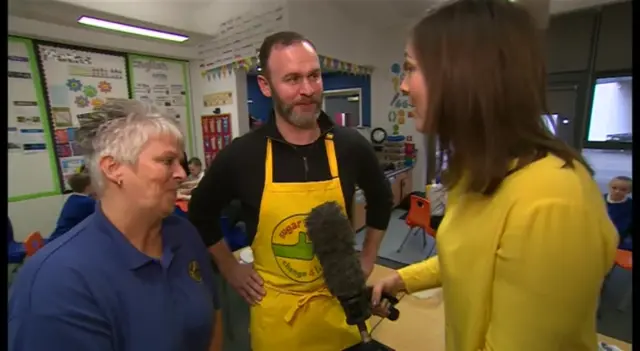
(119, 27)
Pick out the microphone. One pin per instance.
(333, 242)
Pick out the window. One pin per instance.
(611, 116)
(551, 122)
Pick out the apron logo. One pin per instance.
(194, 271)
(293, 250)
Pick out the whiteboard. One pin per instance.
(77, 81)
(32, 166)
(163, 82)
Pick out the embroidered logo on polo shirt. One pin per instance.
(194, 271)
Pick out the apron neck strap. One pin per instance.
(331, 156)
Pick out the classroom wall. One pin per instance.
(40, 214)
(236, 83)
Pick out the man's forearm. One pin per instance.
(370, 246)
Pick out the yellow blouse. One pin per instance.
(522, 270)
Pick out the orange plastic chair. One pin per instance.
(624, 259)
(419, 217)
(33, 243)
(183, 205)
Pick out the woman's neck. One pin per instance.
(141, 228)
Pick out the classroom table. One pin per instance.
(421, 326)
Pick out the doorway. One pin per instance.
(344, 106)
(562, 101)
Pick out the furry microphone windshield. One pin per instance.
(333, 241)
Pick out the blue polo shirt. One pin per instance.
(92, 290)
(75, 210)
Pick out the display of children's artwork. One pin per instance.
(29, 142)
(76, 83)
(216, 134)
(163, 83)
(399, 108)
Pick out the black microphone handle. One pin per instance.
(394, 313)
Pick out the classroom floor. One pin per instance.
(612, 323)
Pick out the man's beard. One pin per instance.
(303, 120)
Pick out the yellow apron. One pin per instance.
(298, 312)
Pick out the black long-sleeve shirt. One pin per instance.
(238, 173)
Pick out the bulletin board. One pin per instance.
(31, 160)
(77, 81)
(164, 83)
(216, 134)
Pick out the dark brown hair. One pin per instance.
(279, 38)
(195, 161)
(484, 67)
(79, 182)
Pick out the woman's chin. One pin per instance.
(420, 125)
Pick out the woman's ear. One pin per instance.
(111, 169)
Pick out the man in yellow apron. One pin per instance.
(297, 302)
(298, 160)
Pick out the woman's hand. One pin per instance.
(390, 285)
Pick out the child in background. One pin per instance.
(79, 205)
(619, 206)
(195, 169)
(195, 175)
(437, 196)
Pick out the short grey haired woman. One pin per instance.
(132, 276)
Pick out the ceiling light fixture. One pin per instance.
(125, 28)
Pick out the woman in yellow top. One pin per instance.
(525, 242)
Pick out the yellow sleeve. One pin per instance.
(421, 276)
(550, 265)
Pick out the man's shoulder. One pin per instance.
(251, 141)
(349, 137)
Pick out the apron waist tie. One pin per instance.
(303, 299)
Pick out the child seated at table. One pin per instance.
(195, 175)
(79, 205)
(619, 206)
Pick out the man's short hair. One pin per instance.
(623, 178)
(79, 182)
(195, 161)
(281, 38)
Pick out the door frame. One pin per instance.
(560, 81)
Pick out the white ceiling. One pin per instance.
(184, 13)
(65, 14)
(393, 13)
